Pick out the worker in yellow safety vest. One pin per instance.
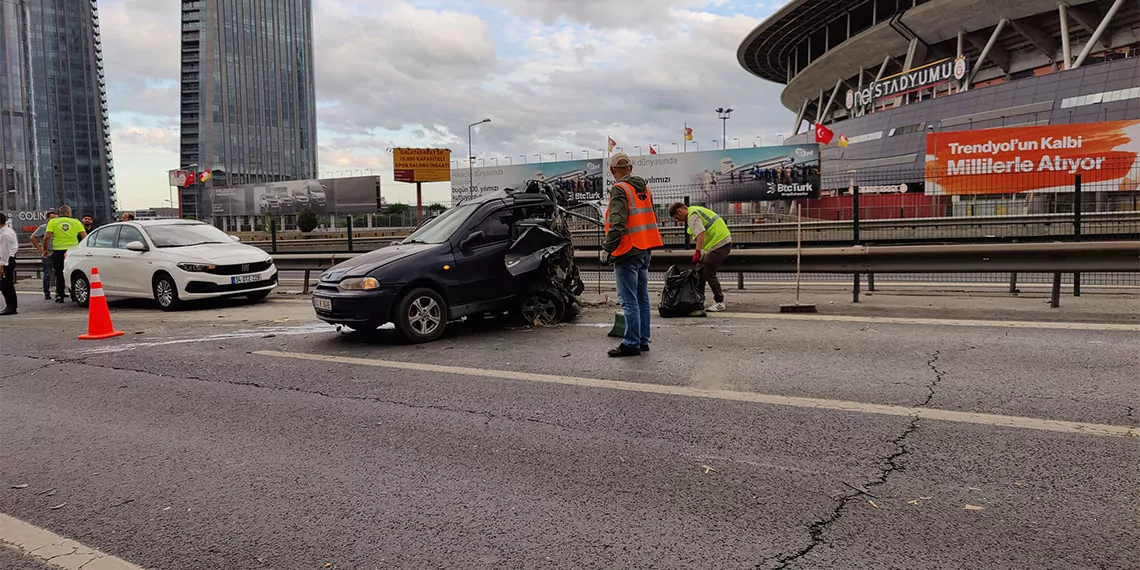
(714, 244)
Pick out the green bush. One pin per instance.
(307, 220)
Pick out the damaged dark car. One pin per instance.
(504, 252)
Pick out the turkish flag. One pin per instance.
(823, 135)
(652, 150)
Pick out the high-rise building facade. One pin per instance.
(54, 131)
(248, 107)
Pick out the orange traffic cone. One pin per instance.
(98, 316)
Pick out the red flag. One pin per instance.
(823, 135)
(652, 150)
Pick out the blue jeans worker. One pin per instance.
(631, 236)
(45, 250)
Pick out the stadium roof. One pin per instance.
(763, 50)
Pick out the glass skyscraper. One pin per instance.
(248, 108)
(54, 131)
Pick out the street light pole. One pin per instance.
(496, 159)
(470, 169)
(716, 143)
(697, 146)
(539, 157)
(587, 151)
(723, 114)
(509, 161)
(523, 156)
(737, 141)
(674, 148)
(638, 147)
(571, 153)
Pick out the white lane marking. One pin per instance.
(937, 322)
(752, 397)
(313, 328)
(55, 550)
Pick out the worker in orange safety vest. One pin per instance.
(631, 234)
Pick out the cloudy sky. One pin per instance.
(553, 75)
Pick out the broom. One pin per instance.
(798, 307)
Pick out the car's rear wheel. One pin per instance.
(80, 289)
(540, 307)
(421, 315)
(166, 292)
(258, 296)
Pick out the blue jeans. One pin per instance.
(48, 269)
(632, 274)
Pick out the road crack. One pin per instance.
(888, 465)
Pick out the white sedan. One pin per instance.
(169, 261)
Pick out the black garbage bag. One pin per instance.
(684, 293)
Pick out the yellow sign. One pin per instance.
(421, 164)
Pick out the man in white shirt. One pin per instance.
(8, 247)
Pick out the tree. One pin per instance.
(436, 208)
(307, 220)
(398, 209)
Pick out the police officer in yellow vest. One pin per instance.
(714, 243)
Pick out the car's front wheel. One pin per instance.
(540, 306)
(80, 289)
(421, 315)
(166, 292)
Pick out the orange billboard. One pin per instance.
(1034, 159)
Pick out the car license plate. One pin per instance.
(322, 304)
(238, 280)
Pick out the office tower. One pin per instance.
(248, 108)
(54, 131)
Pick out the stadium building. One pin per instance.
(885, 73)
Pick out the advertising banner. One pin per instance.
(356, 195)
(581, 180)
(732, 175)
(421, 164)
(1034, 159)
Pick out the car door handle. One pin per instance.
(116, 256)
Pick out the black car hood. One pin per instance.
(362, 265)
(532, 247)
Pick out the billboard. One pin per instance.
(732, 175)
(421, 164)
(356, 195)
(1034, 159)
(581, 180)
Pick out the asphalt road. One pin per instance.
(235, 437)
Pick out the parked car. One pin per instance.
(170, 261)
(502, 252)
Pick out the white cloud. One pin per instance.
(554, 75)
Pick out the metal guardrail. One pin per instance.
(990, 229)
(1055, 258)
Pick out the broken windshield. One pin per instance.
(440, 229)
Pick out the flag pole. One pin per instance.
(685, 138)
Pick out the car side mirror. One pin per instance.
(235, 238)
(475, 238)
(137, 246)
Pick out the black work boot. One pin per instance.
(624, 350)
